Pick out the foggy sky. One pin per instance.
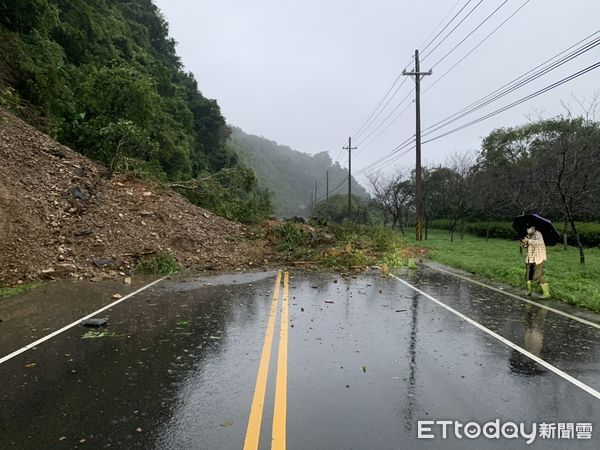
(307, 73)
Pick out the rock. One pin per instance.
(67, 268)
(106, 262)
(48, 271)
(127, 280)
(61, 257)
(324, 238)
(147, 194)
(94, 322)
(117, 296)
(80, 193)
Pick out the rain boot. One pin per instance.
(545, 290)
(529, 288)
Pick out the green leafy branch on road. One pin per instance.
(21, 289)
(340, 247)
(164, 263)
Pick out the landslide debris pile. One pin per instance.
(64, 215)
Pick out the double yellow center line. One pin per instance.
(256, 410)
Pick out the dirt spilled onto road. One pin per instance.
(62, 215)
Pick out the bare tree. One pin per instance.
(395, 194)
(459, 191)
(569, 168)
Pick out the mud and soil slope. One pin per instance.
(63, 215)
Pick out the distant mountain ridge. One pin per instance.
(289, 174)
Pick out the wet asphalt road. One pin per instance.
(368, 357)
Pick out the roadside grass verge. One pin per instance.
(10, 291)
(499, 260)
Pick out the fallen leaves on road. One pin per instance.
(97, 334)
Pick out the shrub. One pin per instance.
(290, 236)
(164, 263)
(589, 232)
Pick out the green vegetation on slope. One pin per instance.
(103, 77)
(290, 175)
(499, 260)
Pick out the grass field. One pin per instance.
(499, 260)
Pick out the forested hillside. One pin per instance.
(103, 77)
(290, 175)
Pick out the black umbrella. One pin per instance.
(544, 226)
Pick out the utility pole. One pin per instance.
(327, 186)
(349, 148)
(315, 193)
(417, 75)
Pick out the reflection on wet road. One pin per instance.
(367, 358)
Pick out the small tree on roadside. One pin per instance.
(458, 185)
(395, 195)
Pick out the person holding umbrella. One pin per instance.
(534, 262)
(537, 232)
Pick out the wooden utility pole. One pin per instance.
(417, 75)
(327, 186)
(349, 148)
(315, 193)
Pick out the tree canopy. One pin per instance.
(103, 77)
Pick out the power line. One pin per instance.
(378, 110)
(368, 119)
(502, 91)
(440, 24)
(518, 102)
(439, 61)
(381, 110)
(447, 25)
(364, 147)
(438, 79)
(383, 159)
(452, 30)
(411, 146)
(470, 34)
(386, 118)
(517, 83)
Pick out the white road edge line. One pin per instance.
(77, 322)
(505, 341)
(531, 302)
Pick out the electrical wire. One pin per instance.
(441, 77)
(518, 102)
